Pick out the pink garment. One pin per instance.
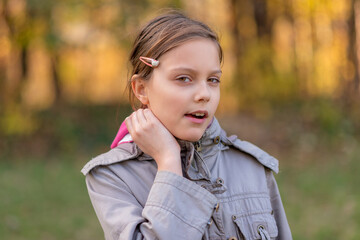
(120, 135)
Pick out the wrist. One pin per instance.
(170, 165)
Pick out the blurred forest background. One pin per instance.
(290, 85)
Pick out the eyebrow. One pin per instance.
(193, 70)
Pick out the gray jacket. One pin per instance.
(228, 192)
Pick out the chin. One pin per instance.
(191, 137)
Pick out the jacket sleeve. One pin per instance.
(176, 208)
(279, 212)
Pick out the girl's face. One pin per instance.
(184, 90)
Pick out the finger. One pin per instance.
(135, 123)
(141, 117)
(128, 124)
(148, 114)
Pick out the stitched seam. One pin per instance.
(207, 194)
(243, 196)
(173, 213)
(246, 214)
(103, 161)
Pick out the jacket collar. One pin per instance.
(195, 155)
(213, 135)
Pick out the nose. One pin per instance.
(202, 93)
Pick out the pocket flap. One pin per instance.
(249, 225)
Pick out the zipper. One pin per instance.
(197, 146)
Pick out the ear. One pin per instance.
(138, 85)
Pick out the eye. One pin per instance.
(214, 80)
(184, 79)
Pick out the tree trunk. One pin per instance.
(352, 87)
(56, 79)
(238, 42)
(23, 70)
(356, 46)
(14, 89)
(261, 18)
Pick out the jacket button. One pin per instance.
(219, 181)
(216, 207)
(233, 217)
(232, 238)
(217, 140)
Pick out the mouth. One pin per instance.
(198, 115)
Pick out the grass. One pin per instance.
(45, 200)
(322, 198)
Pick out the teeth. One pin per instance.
(199, 114)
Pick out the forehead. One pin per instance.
(197, 53)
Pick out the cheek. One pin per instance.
(167, 102)
(216, 98)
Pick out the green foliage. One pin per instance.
(259, 84)
(17, 121)
(45, 200)
(329, 116)
(70, 130)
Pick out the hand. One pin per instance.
(155, 140)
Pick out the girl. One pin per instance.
(173, 173)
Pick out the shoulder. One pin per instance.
(118, 154)
(260, 155)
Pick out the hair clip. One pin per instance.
(149, 61)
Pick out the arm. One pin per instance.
(276, 203)
(176, 208)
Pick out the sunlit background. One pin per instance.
(290, 85)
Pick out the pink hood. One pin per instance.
(120, 135)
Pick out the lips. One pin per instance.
(198, 114)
